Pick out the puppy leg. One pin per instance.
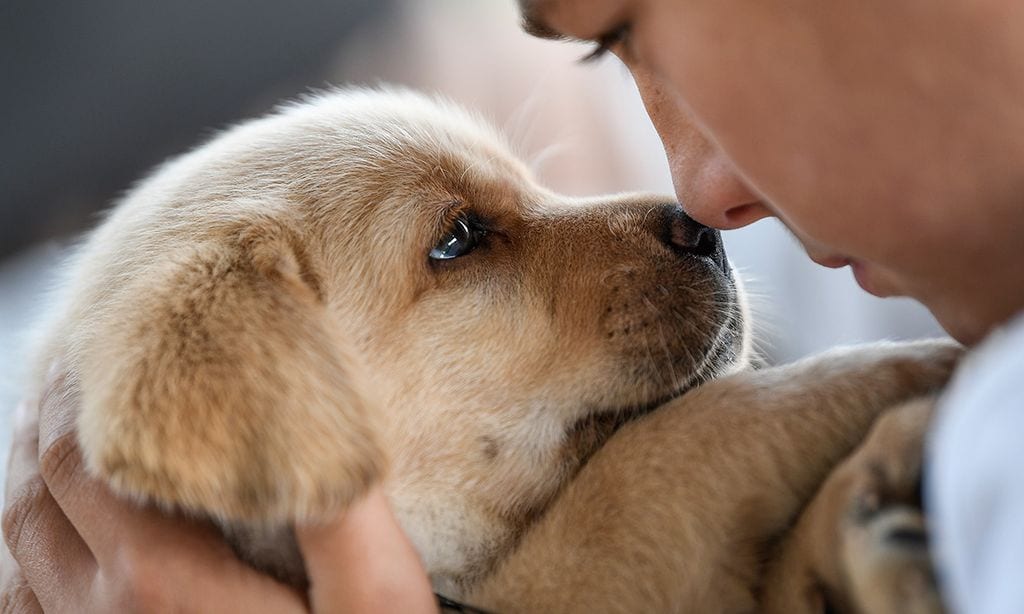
(861, 545)
(218, 386)
(676, 511)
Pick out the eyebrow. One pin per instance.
(532, 22)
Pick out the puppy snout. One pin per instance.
(688, 237)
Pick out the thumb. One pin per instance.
(362, 562)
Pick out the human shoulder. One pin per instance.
(974, 483)
(993, 373)
(983, 401)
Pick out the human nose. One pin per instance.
(706, 182)
(712, 192)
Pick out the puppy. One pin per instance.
(366, 285)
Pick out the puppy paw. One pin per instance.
(223, 389)
(888, 567)
(883, 537)
(861, 544)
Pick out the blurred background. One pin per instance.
(97, 93)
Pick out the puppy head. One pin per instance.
(505, 329)
(499, 331)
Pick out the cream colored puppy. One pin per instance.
(367, 285)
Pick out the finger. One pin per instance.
(20, 601)
(212, 570)
(99, 517)
(363, 562)
(16, 597)
(37, 534)
(53, 558)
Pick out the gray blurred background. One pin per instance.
(96, 93)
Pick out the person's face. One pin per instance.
(871, 129)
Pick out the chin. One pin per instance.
(967, 330)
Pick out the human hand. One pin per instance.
(79, 548)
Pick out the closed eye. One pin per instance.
(606, 42)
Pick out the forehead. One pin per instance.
(452, 181)
(436, 160)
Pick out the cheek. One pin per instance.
(475, 337)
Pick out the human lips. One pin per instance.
(861, 273)
(830, 260)
(864, 279)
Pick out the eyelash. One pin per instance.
(605, 42)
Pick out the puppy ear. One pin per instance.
(223, 388)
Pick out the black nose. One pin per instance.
(688, 237)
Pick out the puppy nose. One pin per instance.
(686, 236)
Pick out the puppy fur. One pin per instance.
(258, 332)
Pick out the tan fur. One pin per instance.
(678, 512)
(258, 333)
(861, 543)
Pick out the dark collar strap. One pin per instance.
(450, 605)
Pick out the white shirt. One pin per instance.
(975, 479)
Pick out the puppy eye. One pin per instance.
(463, 238)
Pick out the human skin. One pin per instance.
(885, 135)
